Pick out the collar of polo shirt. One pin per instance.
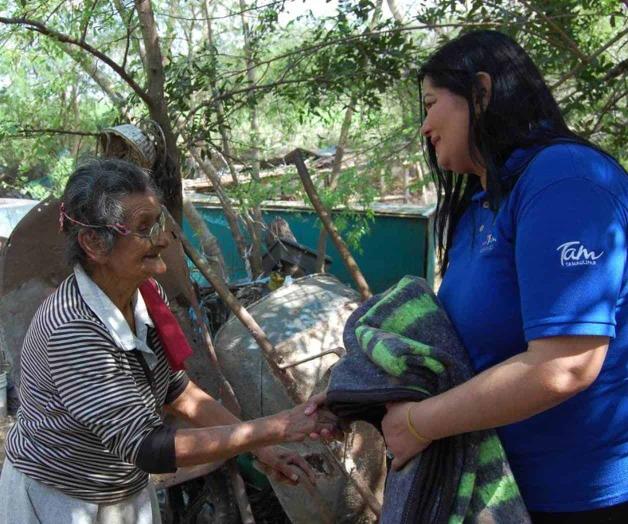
(114, 320)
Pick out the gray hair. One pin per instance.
(93, 196)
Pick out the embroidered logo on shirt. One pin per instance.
(488, 244)
(575, 254)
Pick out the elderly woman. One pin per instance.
(95, 375)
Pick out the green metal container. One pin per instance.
(399, 240)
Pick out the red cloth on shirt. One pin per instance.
(172, 338)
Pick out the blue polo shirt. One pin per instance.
(550, 262)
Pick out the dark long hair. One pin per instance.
(521, 112)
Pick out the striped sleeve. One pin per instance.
(96, 391)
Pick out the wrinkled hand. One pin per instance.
(298, 423)
(403, 445)
(316, 404)
(283, 465)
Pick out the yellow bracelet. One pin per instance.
(413, 430)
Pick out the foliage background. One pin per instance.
(247, 81)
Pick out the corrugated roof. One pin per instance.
(380, 208)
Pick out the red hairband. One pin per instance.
(118, 228)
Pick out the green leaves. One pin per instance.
(309, 68)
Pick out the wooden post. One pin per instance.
(230, 401)
(297, 159)
(274, 360)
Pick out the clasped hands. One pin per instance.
(308, 420)
(312, 420)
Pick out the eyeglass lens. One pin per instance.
(157, 228)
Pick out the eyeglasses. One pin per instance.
(152, 235)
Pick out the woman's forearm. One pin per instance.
(211, 444)
(221, 435)
(200, 409)
(509, 392)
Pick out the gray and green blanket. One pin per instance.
(401, 346)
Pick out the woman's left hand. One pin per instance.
(284, 465)
(399, 440)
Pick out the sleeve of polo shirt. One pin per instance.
(570, 258)
(96, 391)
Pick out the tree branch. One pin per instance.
(346, 40)
(230, 15)
(27, 132)
(248, 89)
(90, 66)
(121, 9)
(573, 47)
(396, 12)
(54, 11)
(38, 27)
(589, 59)
(87, 14)
(612, 100)
(616, 71)
(127, 44)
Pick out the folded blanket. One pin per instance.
(401, 346)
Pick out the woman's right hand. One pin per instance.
(297, 424)
(399, 439)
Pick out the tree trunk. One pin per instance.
(410, 115)
(90, 66)
(230, 213)
(170, 30)
(220, 112)
(258, 222)
(333, 180)
(275, 362)
(209, 244)
(76, 115)
(225, 155)
(125, 14)
(406, 184)
(170, 180)
(350, 263)
(424, 184)
(396, 12)
(340, 151)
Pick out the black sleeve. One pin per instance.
(156, 452)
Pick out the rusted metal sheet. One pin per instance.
(304, 320)
(35, 249)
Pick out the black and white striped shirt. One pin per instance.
(89, 400)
